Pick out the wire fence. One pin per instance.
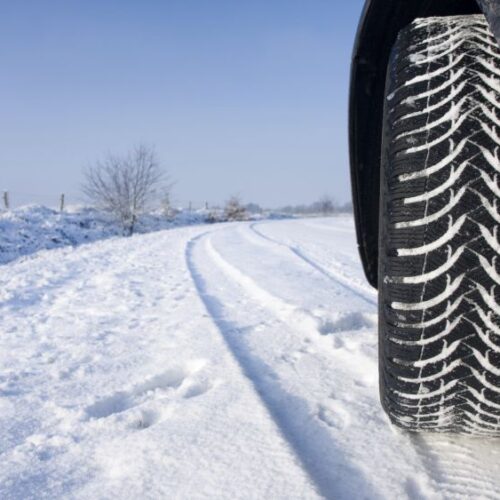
(61, 201)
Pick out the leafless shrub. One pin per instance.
(126, 185)
(234, 210)
(212, 217)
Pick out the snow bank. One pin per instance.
(28, 229)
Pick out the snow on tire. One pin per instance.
(439, 274)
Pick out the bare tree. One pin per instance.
(125, 185)
(234, 210)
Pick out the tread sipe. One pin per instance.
(439, 274)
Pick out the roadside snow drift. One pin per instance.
(32, 228)
(229, 361)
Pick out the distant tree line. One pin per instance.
(235, 209)
(326, 205)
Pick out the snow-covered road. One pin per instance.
(228, 361)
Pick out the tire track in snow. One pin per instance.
(324, 463)
(341, 281)
(289, 313)
(99, 425)
(284, 311)
(460, 467)
(463, 467)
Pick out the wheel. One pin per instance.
(439, 274)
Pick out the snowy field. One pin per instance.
(226, 361)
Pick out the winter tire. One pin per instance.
(439, 271)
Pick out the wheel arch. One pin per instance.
(380, 23)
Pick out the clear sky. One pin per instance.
(243, 97)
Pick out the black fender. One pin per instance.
(380, 24)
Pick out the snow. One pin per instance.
(232, 361)
(29, 229)
(32, 228)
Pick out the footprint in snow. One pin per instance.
(293, 357)
(334, 414)
(150, 396)
(147, 418)
(346, 322)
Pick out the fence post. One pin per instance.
(6, 199)
(61, 206)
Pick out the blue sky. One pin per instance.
(243, 97)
